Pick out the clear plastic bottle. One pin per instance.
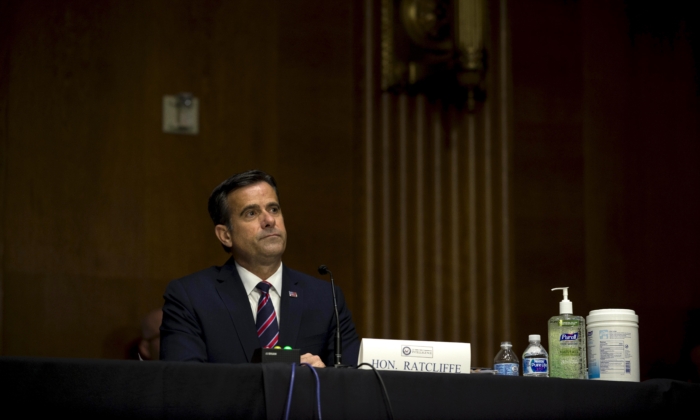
(506, 362)
(535, 358)
(567, 342)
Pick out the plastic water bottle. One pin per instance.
(535, 358)
(506, 362)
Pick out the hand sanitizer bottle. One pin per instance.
(567, 342)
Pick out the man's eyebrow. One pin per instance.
(249, 207)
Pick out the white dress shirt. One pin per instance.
(250, 280)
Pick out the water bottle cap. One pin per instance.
(506, 344)
(534, 337)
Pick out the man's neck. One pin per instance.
(263, 270)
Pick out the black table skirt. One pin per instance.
(82, 388)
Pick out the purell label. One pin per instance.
(537, 365)
(568, 337)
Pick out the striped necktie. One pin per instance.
(266, 321)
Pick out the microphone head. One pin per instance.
(322, 269)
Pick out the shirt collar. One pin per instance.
(250, 280)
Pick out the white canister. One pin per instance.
(613, 345)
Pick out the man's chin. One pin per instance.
(273, 249)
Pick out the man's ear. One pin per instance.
(224, 235)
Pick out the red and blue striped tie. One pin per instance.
(266, 321)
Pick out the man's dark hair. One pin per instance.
(218, 204)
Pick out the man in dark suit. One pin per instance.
(223, 314)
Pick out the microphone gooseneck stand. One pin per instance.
(323, 270)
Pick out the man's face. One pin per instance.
(257, 233)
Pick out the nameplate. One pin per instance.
(416, 356)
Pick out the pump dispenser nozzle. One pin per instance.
(565, 306)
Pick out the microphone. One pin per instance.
(323, 270)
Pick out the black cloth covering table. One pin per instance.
(91, 388)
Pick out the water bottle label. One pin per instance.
(536, 365)
(508, 369)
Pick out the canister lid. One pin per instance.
(602, 315)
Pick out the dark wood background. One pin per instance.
(606, 174)
(100, 208)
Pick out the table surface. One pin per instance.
(131, 389)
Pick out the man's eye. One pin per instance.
(250, 213)
(274, 210)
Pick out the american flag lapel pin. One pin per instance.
(292, 294)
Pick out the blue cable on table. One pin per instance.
(289, 395)
(291, 389)
(318, 389)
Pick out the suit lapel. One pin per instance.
(231, 290)
(292, 308)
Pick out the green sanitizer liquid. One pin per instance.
(567, 342)
(567, 347)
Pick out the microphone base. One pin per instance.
(339, 365)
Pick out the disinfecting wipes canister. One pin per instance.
(613, 345)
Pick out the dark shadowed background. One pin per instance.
(581, 169)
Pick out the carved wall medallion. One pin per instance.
(434, 47)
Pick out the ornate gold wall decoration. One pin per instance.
(434, 47)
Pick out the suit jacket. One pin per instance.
(207, 318)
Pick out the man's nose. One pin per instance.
(268, 220)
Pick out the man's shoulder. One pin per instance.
(202, 277)
(205, 274)
(306, 280)
(298, 275)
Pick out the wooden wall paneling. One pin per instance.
(421, 278)
(432, 173)
(6, 35)
(470, 184)
(316, 135)
(504, 92)
(437, 143)
(453, 220)
(39, 230)
(454, 247)
(226, 54)
(641, 129)
(369, 25)
(102, 209)
(605, 167)
(548, 163)
(387, 280)
(608, 93)
(402, 227)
